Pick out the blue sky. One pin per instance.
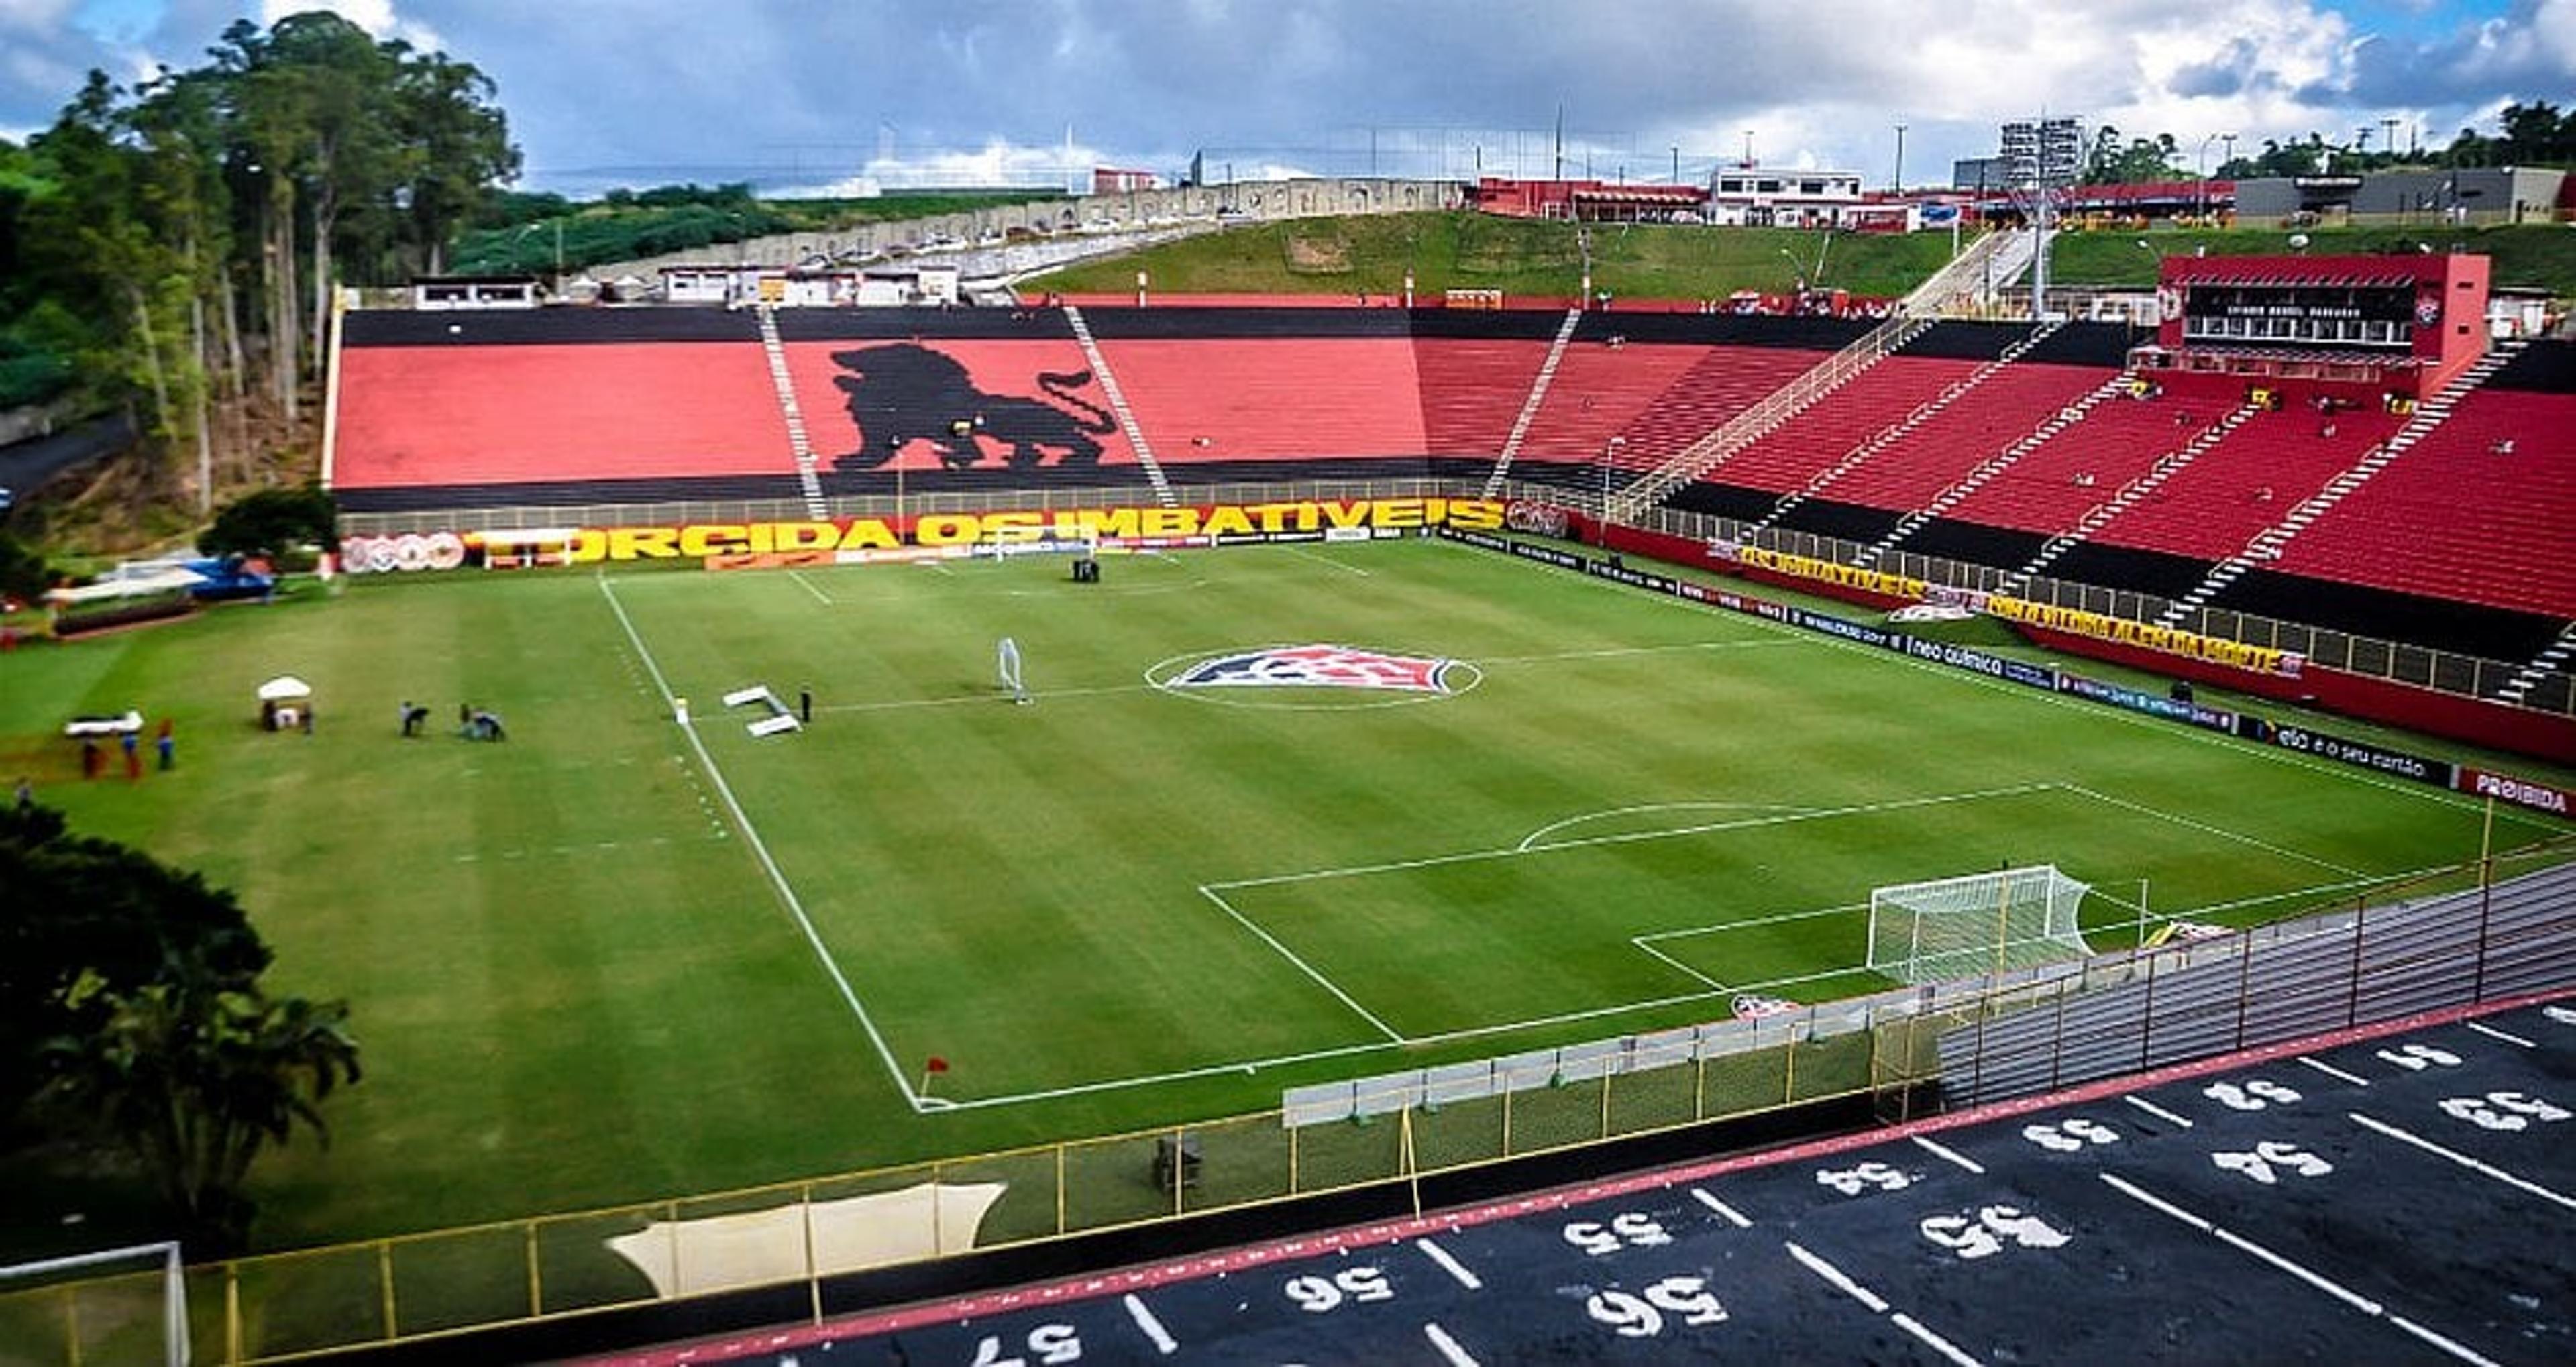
(845, 93)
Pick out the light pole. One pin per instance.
(2201, 163)
(1898, 185)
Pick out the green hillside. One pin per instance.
(1339, 256)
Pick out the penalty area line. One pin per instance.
(1345, 998)
(760, 849)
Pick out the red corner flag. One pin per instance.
(930, 1072)
(938, 1064)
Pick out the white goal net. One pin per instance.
(1953, 928)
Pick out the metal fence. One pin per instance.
(2483, 931)
(2367, 657)
(2364, 656)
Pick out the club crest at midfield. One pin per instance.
(1318, 666)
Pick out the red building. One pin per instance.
(1109, 180)
(1590, 201)
(2401, 324)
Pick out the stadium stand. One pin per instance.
(2213, 506)
(1811, 443)
(2457, 543)
(2463, 515)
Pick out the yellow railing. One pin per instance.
(282, 1306)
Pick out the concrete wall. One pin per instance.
(1015, 239)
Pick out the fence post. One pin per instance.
(232, 1311)
(1059, 1179)
(385, 1280)
(536, 1276)
(813, 1273)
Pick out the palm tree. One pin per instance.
(196, 1083)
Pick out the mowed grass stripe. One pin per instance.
(573, 990)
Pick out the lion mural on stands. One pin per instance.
(904, 392)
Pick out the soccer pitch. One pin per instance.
(613, 958)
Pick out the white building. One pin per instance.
(1764, 197)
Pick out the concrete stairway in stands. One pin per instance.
(1996, 464)
(2553, 659)
(2267, 544)
(2129, 495)
(808, 479)
(1895, 432)
(1529, 406)
(1118, 406)
(1774, 410)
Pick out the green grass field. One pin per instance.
(611, 959)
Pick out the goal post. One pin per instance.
(114, 1305)
(1953, 928)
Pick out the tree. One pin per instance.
(196, 1080)
(2140, 161)
(84, 909)
(269, 521)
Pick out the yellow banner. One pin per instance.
(2170, 640)
(707, 540)
(1826, 571)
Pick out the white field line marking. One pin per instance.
(900, 704)
(470, 856)
(1305, 554)
(760, 849)
(1449, 1349)
(2221, 832)
(1616, 652)
(2333, 1072)
(1638, 943)
(2492, 1033)
(1240, 1066)
(1724, 1211)
(2472, 1164)
(2321, 1282)
(1949, 1155)
(1146, 1320)
(1632, 837)
(1303, 967)
(1450, 1265)
(2275, 754)
(819, 596)
(2158, 1112)
(1753, 922)
(1537, 838)
(1833, 1277)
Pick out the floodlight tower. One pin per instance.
(2040, 159)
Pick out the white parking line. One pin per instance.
(2473, 1165)
(1949, 1155)
(2334, 1072)
(1449, 1349)
(1164, 1343)
(2321, 1282)
(1725, 1212)
(2492, 1033)
(1836, 1278)
(2158, 1112)
(1452, 1266)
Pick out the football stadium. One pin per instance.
(1449, 826)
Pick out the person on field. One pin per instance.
(166, 745)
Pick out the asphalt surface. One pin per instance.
(2403, 1194)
